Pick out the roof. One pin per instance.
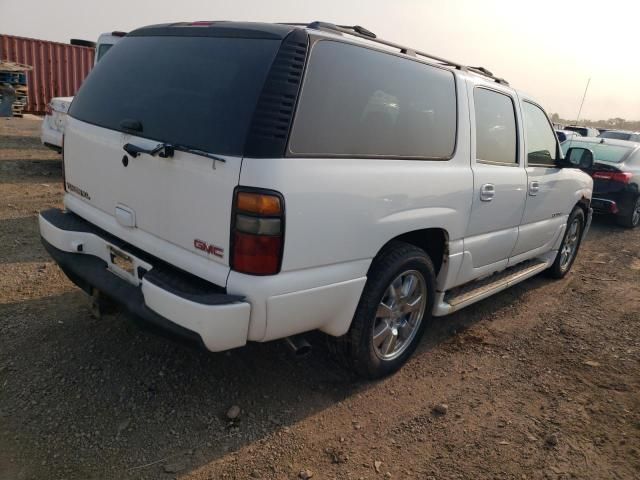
(216, 28)
(228, 29)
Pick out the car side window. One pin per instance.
(496, 137)
(359, 102)
(540, 140)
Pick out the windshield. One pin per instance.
(582, 131)
(199, 92)
(601, 151)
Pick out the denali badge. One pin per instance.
(71, 187)
(205, 247)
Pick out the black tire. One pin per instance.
(560, 267)
(632, 220)
(356, 348)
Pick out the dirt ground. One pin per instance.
(540, 381)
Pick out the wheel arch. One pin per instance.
(584, 203)
(434, 241)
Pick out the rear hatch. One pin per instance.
(193, 91)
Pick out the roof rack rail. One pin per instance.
(361, 32)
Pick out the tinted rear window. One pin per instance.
(601, 151)
(616, 135)
(496, 137)
(198, 92)
(360, 102)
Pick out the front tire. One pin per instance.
(570, 244)
(394, 310)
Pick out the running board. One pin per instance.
(460, 297)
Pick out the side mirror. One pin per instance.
(577, 157)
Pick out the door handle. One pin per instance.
(534, 187)
(487, 192)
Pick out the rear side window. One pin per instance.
(540, 140)
(496, 137)
(198, 92)
(102, 49)
(360, 102)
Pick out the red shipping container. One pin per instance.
(58, 68)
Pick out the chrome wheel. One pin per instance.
(570, 245)
(399, 314)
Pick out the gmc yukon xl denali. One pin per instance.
(233, 182)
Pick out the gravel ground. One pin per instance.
(540, 381)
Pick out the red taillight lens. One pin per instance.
(256, 254)
(622, 177)
(257, 232)
(48, 110)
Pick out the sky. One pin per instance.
(546, 48)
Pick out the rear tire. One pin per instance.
(570, 244)
(632, 220)
(394, 310)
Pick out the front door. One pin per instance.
(499, 182)
(547, 187)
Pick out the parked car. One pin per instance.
(616, 178)
(52, 129)
(564, 135)
(621, 135)
(278, 179)
(584, 131)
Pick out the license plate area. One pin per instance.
(123, 265)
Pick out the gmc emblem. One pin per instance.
(210, 249)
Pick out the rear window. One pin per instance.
(360, 102)
(601, 152)
(198, 92)
(496, 137)
(616, 135)
(102, 49)
(582, 131)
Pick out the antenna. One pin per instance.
(584, 96)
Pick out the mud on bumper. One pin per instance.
(156, 294)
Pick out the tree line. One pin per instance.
(612, 123)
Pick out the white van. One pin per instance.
(259, 181)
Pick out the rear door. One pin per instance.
(499, 182)
(197, 93)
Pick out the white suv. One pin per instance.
(258, 181)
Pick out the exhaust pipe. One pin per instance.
(298, 346)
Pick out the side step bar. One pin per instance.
(460, 297)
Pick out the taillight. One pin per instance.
(48, 109)
(622, 177)
(257, 231)
(64, 177)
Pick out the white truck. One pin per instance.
(259, 181)
(52, 128)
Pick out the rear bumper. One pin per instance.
(617, 203)
(156, 293)
(604, 205)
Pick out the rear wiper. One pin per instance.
(166, 150)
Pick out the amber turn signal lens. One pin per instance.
(258, 203)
